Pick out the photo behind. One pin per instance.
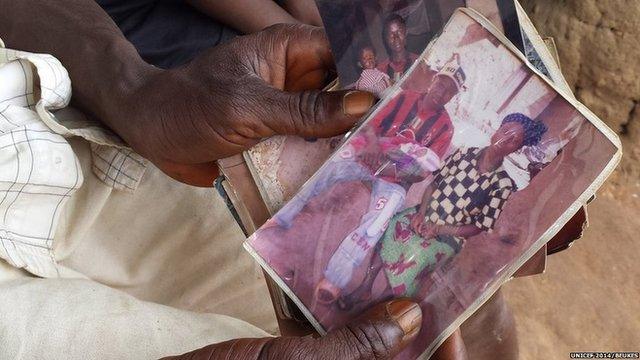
(376, 41)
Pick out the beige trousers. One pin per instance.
(148, 273)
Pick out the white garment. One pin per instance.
(39, 169)
(81, 319)
(130, 261)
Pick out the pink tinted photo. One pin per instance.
(442, 193)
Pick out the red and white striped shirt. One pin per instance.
(432, 129)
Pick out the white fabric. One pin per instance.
(38, 170)
(166, 242)
(81, 319)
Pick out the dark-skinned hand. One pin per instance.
(381, 333)
(231, 97)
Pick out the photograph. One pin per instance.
(375, 42)
(440, 193)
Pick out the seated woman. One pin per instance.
(465, 198)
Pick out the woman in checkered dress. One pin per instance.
(464, 199)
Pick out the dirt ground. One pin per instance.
(588, 298)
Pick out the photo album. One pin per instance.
(257, 183)
(469, 163)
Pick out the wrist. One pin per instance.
(110, 82)
(125, 78)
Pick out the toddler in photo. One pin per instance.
(371, 79)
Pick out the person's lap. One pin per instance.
(81, 319)
(134, 254)
(166, 242)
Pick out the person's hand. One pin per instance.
(231, 97)
(417, 223)
(570, 232)
(380, 333)
(429, 231)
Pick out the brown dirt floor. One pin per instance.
(588, 299)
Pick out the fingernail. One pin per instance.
(357, 103)
(408, 315)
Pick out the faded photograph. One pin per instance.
(376, 41)
(439, 195)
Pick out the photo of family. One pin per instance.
(441, 193)
(376, 41)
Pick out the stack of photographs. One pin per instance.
(278, 166)
(468, 165)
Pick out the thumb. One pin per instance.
(315, 113)
(381, 333)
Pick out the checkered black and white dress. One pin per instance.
(462, 196)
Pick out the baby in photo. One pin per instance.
(371, 79)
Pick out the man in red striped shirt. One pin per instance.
(423, 116)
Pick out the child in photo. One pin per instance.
(389, 165)
(371, 79)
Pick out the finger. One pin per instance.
(380, 333)
(294, 57)
(309, 60)
(535, 265)
(201, 175)
(239, 349)
(314, 113)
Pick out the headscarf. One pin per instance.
(534, 130)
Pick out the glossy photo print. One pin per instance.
(442, 193)
(376, 41)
